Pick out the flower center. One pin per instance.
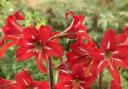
(37, 45)
(29, 87)
(108, 54)
(76, 84)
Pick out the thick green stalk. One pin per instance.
(101, 80)
(50, 73)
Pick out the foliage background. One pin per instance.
(99, 15)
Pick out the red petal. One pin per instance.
(77, 20)
(41, 85)
(12, 30)
(125, 60)
(63, 86)
(78, 72)
(120, 63)
(39, 60)
(23, 54)
(73, 58)
(121, 38)
(120, 52)
(53, 49)
(94, 67)
(12, 25)
(126, 29)
(113, 70)
(18, 15)
(45, 32)
(58, 86)
(82, 33)
(95, 54)
(16, 86)
(30, 33)
(102, 64)
(65, 79)
(24, 79)
(4, 81)
(79, 48)
(68, 13)
(90, 79)
(25, 43)
(8, 84)
(114, 85)
(5, 47)
(85, 86)
(109, 41)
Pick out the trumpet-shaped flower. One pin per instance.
(36, 43)
(110, 55)
(76, 28)
(23, 81)
(75, 79)
(12, 32)
(79, 53)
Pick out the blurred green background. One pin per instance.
(99, 15)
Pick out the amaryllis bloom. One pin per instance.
(23, 81)
(76, 28)
(76, 79)
(12, 32)
(110, 55)
(79, 53)
(37, 43)
(12, 29)
(114, 85)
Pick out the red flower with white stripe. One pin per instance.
(75, 79)
(12, 31)
(23, 81)
(37, 43)
(79, 53)
(76, 28)
(110, 55)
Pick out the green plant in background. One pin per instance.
(99, 15)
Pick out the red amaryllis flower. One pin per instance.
(110, 55)
(37, 43)
(23, 81)
(12, 31)
(76, 79)
(114, 85)
(79, 53)
(76, 29)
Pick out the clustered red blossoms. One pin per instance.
(85, 61)
(23, 81)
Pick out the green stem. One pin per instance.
(50, 74)
(101, 80)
